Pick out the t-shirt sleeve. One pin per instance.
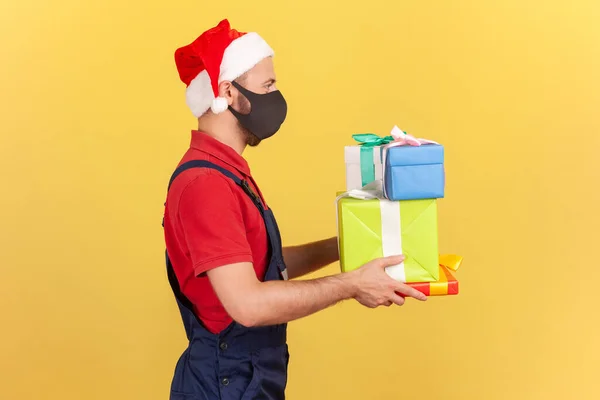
(212, 224)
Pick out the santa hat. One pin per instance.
(219, 54)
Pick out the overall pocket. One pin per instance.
(255, 380)
(182, 396)
(270, 374)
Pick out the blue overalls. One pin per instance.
(239, 363)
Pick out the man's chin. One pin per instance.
(252, 140)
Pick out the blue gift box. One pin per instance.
(414, 172)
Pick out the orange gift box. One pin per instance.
(447, 284)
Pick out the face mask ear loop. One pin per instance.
(243, 91)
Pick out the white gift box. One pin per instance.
(354, 176)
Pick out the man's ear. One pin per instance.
(226, 92)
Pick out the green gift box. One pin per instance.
(375, 227)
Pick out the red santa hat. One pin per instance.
(219, 54)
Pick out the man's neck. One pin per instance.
(223, 130)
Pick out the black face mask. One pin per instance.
(267, 113)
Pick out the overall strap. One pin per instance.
(207, 164)
(203, 164)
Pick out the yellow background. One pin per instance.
(93, 120)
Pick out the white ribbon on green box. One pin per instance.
(370, 226)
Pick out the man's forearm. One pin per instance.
(307, 258)
(276, 302)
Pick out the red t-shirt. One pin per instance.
(210, 222)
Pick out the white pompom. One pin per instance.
(219, 105)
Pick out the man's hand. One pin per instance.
(374, 287)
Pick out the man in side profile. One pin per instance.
(225, 260)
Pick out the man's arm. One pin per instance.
(251, 302)
(307, 258)
(254, 303)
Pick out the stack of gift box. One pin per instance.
(393, 184)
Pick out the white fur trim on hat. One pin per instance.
(199, 94)
(239, 57)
